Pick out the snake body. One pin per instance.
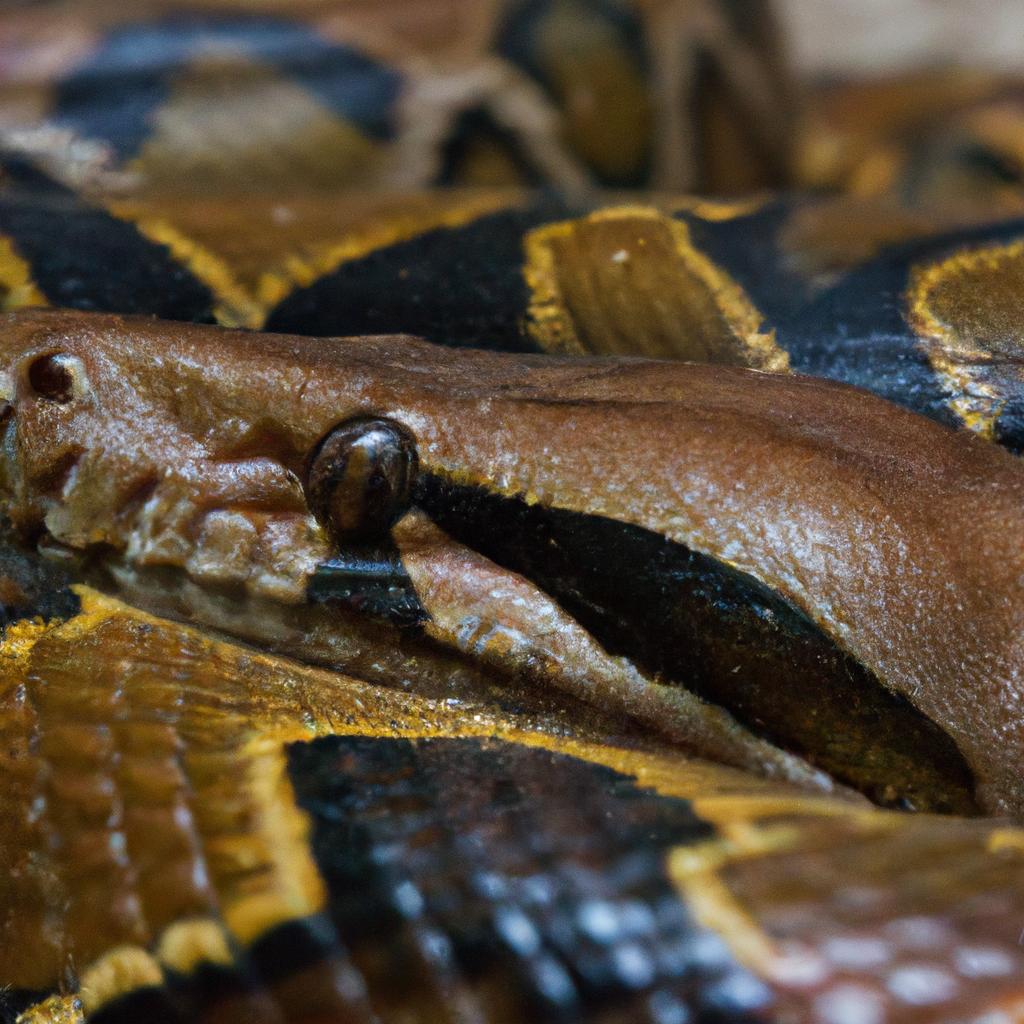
(918, 313)
(579, 658)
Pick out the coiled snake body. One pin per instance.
(579, 658)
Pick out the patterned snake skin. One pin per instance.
(682, 683)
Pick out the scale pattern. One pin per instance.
(193, 831)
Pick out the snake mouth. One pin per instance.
(686, 621)
(614, 613)
(369, 580)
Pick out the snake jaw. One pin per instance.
(100, 471)
(238, 523)
(243, 548)
(187, 451)
(147, 493)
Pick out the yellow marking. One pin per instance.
(718, 210)
(967, 312)
(548, 322)
(19, 639)
(629, 279)
(714, 907)
(1006, 839)
(187, 944)
(741, 842)
(724, 808)
(183, 947)
(55, 1010)
(96, 608)
(695, 872)
(300, 270)
(741, 820)
(235, 307)
(291, 886)
(17, 289)
(117, 973)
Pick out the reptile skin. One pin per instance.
(445, 583)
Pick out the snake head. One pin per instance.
(781, 573)
(110, 456)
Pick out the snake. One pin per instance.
(479, 545)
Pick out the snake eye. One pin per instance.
(361, 476)
(53, 376)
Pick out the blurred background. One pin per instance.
(916, 102)
(857, 37)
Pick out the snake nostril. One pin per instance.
(52, 376)
(361, 477)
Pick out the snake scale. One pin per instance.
(511, 512)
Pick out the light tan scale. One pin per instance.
(966, 310)
(588, 298)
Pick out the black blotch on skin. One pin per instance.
(32, 586)
(292, 947)
(697, 622)
(748, 248)
(1010, 425)
(83, 258)
(854, 331)
(113, 95)
(152, 1005)
(475, 129)
(370, 580)
(531, 877)
(15, 1001)
(461, 287)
